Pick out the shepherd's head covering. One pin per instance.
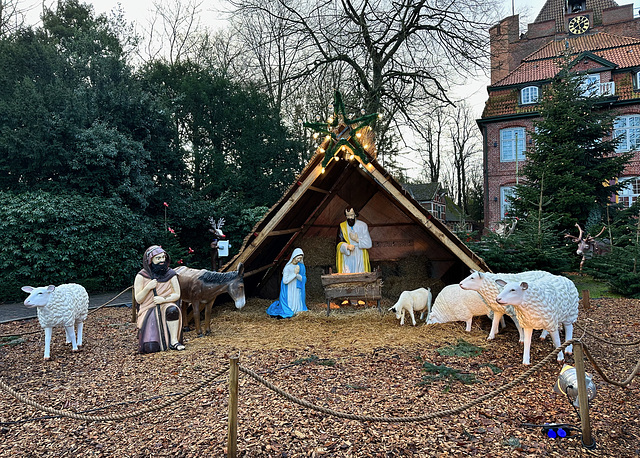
(149, 254)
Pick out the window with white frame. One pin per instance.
(627, 130)
(628, 195)
(512, 144)
(529, 95)
(506, 192)
(591, 85)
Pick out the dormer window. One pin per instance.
(529, 95)
(590, 86)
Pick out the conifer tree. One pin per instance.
(573, 150)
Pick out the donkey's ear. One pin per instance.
(240, 269)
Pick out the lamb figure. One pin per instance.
(418, 300)
(484, 283)
(65, 305)
(456, 304)
(545, 303)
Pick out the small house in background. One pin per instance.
(457, 220)
(431, 196)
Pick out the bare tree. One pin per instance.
(172, 31)
(399, 54)
(465, 143)
(12, 16)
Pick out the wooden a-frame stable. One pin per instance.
(313, 208)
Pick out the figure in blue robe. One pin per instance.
(292, 294)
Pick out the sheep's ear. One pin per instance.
(50, 288)
(27, 289)
(479, 274)
(501, 282)
(524, 285)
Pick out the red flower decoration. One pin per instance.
(190, 250)
(165, 204)
(179, 261)
(171, 230)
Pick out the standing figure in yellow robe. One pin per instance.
(354, 241)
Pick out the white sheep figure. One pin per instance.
(65, 305)
(456, 304)
(418, 300)
(542, 304)
(484, 283)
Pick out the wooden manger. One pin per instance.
(365, 286)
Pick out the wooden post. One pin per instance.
(232, 439)
(134, 306)
(583, 398)
(585, 299)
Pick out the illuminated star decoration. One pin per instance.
(344, 134)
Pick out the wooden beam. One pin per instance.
(316, 189)
(275, 220)
(417, 214)
(261, 269)
(283, 232)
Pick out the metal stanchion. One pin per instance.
(232, 439)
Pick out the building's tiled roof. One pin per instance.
(554, 9)
(544, 63)
(454, 212)
(422, 191)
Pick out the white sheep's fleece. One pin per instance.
(546, 303)
(456, 304)
(68, 304)
(417, 300)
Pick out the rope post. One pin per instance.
(585, 299)
(232, 439)
(583, 398)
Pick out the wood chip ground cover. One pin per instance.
(355, 361)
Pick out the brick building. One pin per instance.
(605, 40)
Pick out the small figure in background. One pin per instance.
(354, 241)
(157, 290)
(216, 229)
(292, 289)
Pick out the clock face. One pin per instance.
(579, 24)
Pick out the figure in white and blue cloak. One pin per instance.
(292, 293)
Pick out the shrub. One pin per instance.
(50, 238)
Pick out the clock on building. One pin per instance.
(579, 24)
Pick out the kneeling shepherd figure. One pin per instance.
(157, 292)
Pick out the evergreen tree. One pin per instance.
(574, 153)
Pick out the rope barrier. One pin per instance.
(597, 368)
(439, 414)
(89, 313)
(621, 344)
(77, 416)
(110, 301)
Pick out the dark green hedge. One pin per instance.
(52, 239)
